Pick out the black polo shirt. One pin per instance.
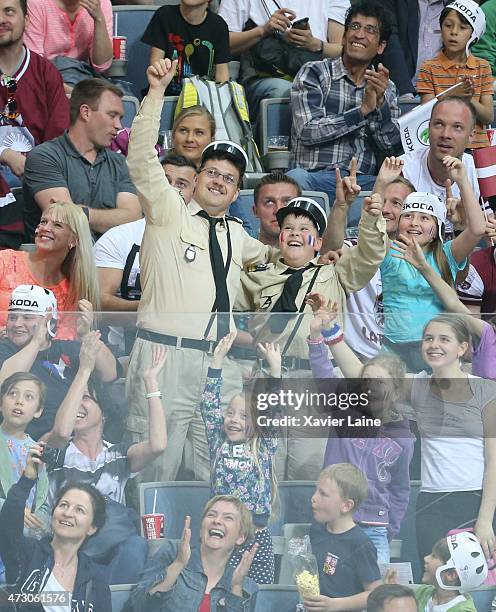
(58, 163)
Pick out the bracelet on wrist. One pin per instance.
(319, 340)
(335, 341)
(333, 331)
(154, 394)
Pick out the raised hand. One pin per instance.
(347, 188)
(184, 550)
(454, 207)
(280, 21)
(409, 250)
(223, 347)
(330, 257)
(321, 305)
(379, 80)
(242, 570)
(40, 336)
(159, 356)
(391, 169)
(161, 73)
(90, 347)
(272, 353)
(455, 168)
(33, 461)
(374, 204)
(31, 521)
(84, 321)
(320, 321)
(369, 101)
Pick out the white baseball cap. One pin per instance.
(428, 204)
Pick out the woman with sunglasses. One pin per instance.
(62, 261)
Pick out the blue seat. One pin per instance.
(168, 109)
(131, 105)
(176, 500)
(276, 598)
(483, 597)
(294, 504)
(120, 594)
(131, 22)
(275, 120)
(405, 107)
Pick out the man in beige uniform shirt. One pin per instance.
(179, 290)
(276, 289)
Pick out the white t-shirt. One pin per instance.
(365, 316)
(417, 172)
(52, 585)
(452, 435)
(432, 607)
(237, 12)
(114, 247)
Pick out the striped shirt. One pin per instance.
(440, 73)
(49, 31)
(328, 126)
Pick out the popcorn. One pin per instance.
(308, 584)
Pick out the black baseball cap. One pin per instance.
(309, 208)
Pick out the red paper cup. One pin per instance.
(153, 526)
(119, 46)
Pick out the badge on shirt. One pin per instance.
(190, 253)
(330, 564)
(257, 268)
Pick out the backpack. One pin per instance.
(227, 103)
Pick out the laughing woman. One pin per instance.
(53, 567)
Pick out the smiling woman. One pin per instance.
(193, 129)
(61, 262)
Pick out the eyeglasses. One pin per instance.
(368, 29)
(212, 173)
(11, 85)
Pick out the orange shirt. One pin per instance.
(14, 271)
(438, 74)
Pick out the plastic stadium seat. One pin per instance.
(176, 500)
(483, 597)
(120, 594)
(131, 105)
(168, 110)
(320, 197)
(275, 116)
(131, 22)
(276, 598)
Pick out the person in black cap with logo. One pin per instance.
(281, 288)
(191, 261)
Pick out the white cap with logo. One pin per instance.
(427, 204)
(474, 15)
(35, 299)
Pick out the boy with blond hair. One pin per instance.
(346, 558)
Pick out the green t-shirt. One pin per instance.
(424, 593)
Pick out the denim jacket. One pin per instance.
(189, 589)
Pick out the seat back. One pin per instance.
(131, 105)
(275, 116)
(131, 22)
(120, 594)
(168, 109)
(276, 598)
(176, 500)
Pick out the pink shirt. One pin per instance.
(49, 31)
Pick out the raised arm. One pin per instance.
(143, 453)
(106, 363)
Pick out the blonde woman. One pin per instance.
(193, 129)
(62, 262)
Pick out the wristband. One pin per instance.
(340, 338)
(154, 394)
(318, 341)
(330, 333)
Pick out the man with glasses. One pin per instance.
(345, 108)
(191, 260)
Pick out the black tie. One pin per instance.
(287, 299)
(219, 270)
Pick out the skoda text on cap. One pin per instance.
(467, 558)
(225, 146)
(474, 15)
(309, 207)
(35, 299)
(427, 204)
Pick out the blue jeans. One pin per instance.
(325, 180)
(128, 560)
(378, 537)
(257, 89)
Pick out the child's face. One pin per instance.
(20, 405)
(431, 563)
(298, 240)
(236, 420)
(455, 32)
(440, 346)
(418, 225)
(379, 384)
(328, 504)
